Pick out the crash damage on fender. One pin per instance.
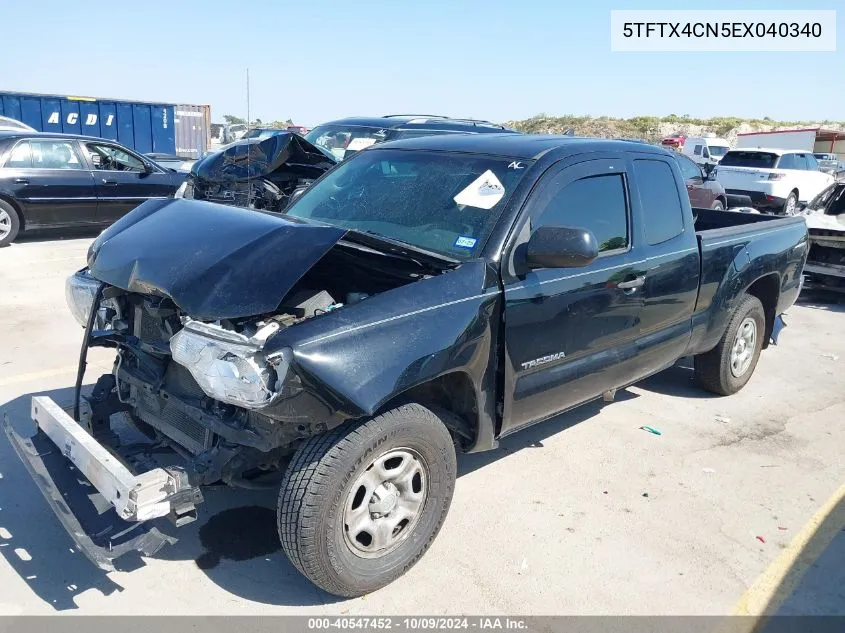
(240, 334)
(258, 173)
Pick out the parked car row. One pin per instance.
(266, 170)
(55, 180)
(61, 180)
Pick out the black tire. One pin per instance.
(317, 488)
(9, 221)
(718, 205)
(790, 205)
(713, 369)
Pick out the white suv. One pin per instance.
(776, 180)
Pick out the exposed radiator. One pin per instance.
(173, 422)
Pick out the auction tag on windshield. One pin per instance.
(465, 242)
(357, 144)
(483, 192)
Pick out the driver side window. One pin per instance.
(596, 203)
(110, 158)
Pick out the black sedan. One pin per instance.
(64, 180)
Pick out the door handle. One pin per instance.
(106, 181)
(633, 284)
(22, 181)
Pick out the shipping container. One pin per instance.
(146, 127)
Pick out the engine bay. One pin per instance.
(206, 386)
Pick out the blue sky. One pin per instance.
(314, 61)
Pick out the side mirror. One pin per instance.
(561, 247)
(148, 168)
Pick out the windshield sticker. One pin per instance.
(465, 242)
(359, 143)
(483, 192)
(516, 165)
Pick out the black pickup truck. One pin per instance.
(425, 297)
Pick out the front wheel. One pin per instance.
(728, 367)
(361, 504)
(718, 206)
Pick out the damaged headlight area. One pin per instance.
(229, 366)
(80, 290)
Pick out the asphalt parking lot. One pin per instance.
(736, 507)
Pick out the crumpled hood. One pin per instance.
(256, 158)
(213, 261)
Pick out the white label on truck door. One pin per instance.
(483, 192)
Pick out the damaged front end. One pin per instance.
(190, 319)
(261, 174)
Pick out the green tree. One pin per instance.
(231, 119)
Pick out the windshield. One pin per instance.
(441, 202)
(718, 150)
(760, 160)
(339, 139)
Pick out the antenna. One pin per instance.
(248, 185)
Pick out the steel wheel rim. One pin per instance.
(385, 503)
(5, 224)
(745, 342)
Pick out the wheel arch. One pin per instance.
(16, 207)
(452, 396)
(767, 290)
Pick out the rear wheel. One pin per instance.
(791, 203)
(361, 504)
(728, 367)
(9, 223)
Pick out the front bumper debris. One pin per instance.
(112, 522)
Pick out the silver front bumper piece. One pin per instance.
(134, 497)
(101, 535)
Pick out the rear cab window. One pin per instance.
(663, 216)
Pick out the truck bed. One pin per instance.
(708, 221)
(762, 254)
